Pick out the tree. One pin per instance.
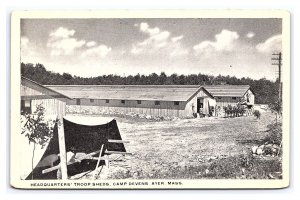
(162, 78)
(266, 91)
(276, 107)
(37, 130)
(67, 76)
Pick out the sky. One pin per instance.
(93, 47)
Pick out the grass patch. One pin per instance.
(233, 167)
(244, 167)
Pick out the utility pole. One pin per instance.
(277, 57)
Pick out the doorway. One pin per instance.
(199, 105)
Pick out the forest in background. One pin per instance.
(266, 91)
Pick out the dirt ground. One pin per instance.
(158, 147)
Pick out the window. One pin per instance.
(106, 101)
(77, 101)
(139, 102)
(26, 106)
(176, 103)
(92, 100)
(123, 101)
(157, 103)
(234, 98)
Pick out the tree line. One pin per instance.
(266, 91)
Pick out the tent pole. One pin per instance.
(107, 160)
(100, 155)
(62, 149)
(107, 143)
(98, 162)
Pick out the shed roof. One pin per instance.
(131, 92)
(227, 90)
(38, 87)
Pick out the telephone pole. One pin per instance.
(277, 57)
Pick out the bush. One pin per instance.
(274, 135)
(276, 107)
(257, 114)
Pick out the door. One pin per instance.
(26, 106)
(199, 105)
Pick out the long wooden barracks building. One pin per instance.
(156, 100)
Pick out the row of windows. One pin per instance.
(234, 98)
(176, 103)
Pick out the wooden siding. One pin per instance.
(53, 106)
(225, 101)
(191, 106)
(251, 97)
(226, 92)
(166, 108)
(128, 103)
(124, 110)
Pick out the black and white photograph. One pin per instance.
(150, 100)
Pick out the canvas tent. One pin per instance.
(83, 135)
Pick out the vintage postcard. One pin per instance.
(152, 99)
